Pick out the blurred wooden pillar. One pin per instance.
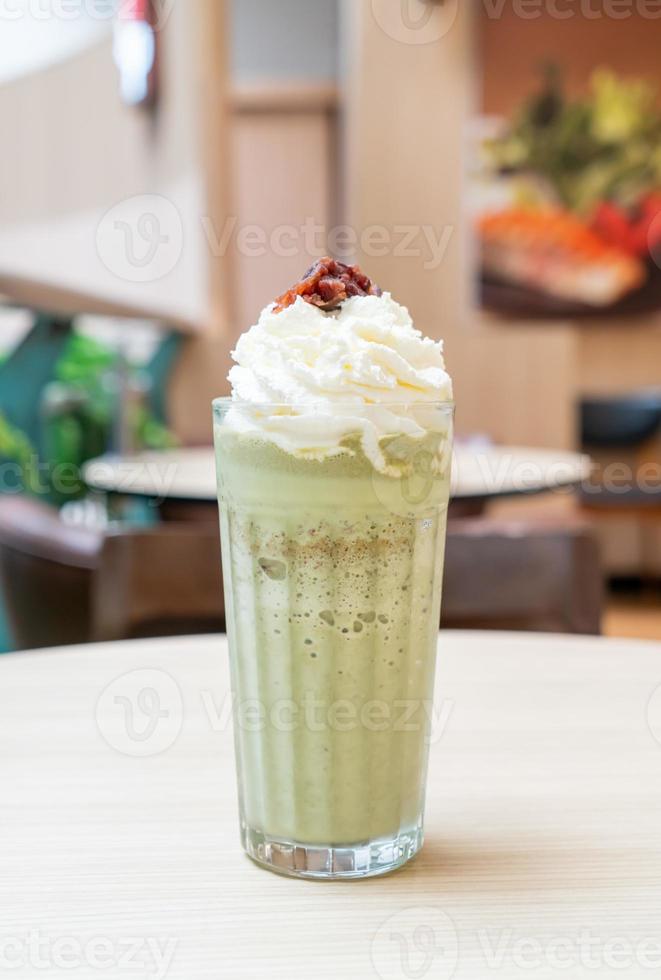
(285, 162)
(412, 85)
(409, 94)
(202, 369)
(213, 93)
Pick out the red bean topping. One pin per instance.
(327, 284)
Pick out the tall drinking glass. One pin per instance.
(332, 567)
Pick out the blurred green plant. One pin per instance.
(81, 410)
(16, 448)
(84, 361)
(603, 147)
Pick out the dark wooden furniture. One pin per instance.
(64, 584)
(522, 575)
(622, 432)
(72, 585)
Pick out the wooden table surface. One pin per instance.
(478, 472)
(119, 844)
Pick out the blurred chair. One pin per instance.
(65, 584)
(622, 433)
(624, 429)
(522, 575)
(620, 421)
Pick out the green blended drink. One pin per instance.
(333, 519)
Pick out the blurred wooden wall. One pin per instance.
(281, 172)
(409, 108)
(609, 356)
(385, 152)
(514, 48)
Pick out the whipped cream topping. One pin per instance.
(361, 370)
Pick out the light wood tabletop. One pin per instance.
(119, 838)
(479, 472)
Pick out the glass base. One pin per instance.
(328, 863)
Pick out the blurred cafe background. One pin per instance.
(169, 166)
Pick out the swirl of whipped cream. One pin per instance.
(306, 379)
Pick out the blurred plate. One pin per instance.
(521, 302)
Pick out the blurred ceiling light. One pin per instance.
(134, 51)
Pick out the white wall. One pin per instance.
(100, 199)
(284, 39)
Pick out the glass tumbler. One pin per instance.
(332, 561)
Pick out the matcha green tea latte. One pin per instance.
(333, 509)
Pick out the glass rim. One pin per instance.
(227, 401)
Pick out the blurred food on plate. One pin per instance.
(551, 250)
(571, 196)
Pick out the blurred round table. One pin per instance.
(179, 478)
(119, 820)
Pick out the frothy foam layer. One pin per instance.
(363, 370)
